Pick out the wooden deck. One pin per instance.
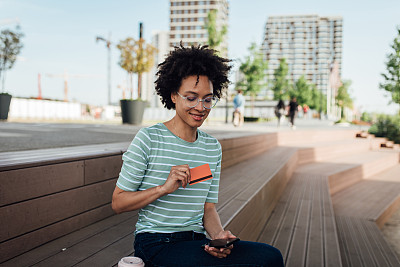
(275, 188)
(360, 211)
(302, 225)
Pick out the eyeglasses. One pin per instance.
(192, 101)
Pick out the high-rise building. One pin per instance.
(187, 20)
(311, 45)
(160, 40)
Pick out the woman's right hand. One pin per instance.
(178, 176)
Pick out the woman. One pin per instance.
(174, 215)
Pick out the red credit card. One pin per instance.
(200, 174)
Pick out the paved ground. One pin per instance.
(17, 136)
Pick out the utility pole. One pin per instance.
(140, 58)
(108, 45)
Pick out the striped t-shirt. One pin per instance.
(147, 163)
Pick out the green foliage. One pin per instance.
(10, 47)
(318, 99)
(253, 69)
(302, 91)
(136, 57)
(392, 77)
(215, 37)
(343, 98)
(387, 126)
(367, 117)
(281, 84)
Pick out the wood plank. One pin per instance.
(37, 213)
(331, 243)
(329, 150)
(315, 255)
(379, 196)
(24, 243)
(81, 251)
(39, 157)
(296, 255)
(54, 247)
(23, 184)
(277, 231)
(362, 244)
(104, 168)
(111, 255)
(268, 181)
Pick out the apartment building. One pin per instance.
(187, 19)
(311, 45)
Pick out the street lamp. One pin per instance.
(108, 45)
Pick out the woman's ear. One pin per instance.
(173, 97)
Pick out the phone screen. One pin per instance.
(222, 243)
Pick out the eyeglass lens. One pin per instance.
(209, 102)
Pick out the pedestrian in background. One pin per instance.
(293, 106)
(238, 105)
(280, 111)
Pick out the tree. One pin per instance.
(215, 36)
(10, 47)
(318, 99)
(136, 57)
(253, 69)
(302, 91)
(392, 77)
(281, 84)
(343, 98)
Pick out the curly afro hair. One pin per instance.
(183, 62)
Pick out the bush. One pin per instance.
(251, 119)
(387, 126)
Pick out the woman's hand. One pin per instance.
(220, 252)
(178, 176)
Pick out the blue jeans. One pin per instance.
(184, 249)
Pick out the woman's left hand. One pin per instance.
(220, 252)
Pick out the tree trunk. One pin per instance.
(252, 105)
(139, 85)
(131, 84)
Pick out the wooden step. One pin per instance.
(345, 171)
(294, 138)
(66, 245)
(48, 193)
(302, 225)
(323, 151)
(268, 172)
(375, 198)
(362, 244)
(247, 188)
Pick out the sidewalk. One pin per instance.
(16, 136)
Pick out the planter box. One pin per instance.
(5, 100)
(132, 111)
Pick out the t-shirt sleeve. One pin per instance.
(135, 161)
(212, 196)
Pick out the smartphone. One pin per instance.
(222, 243)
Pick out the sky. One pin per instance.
(60, 36)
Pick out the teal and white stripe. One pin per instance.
(147, 163)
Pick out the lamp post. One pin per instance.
(108, 45)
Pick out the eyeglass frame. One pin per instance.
(202, 100)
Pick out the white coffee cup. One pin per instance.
(131, 262)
